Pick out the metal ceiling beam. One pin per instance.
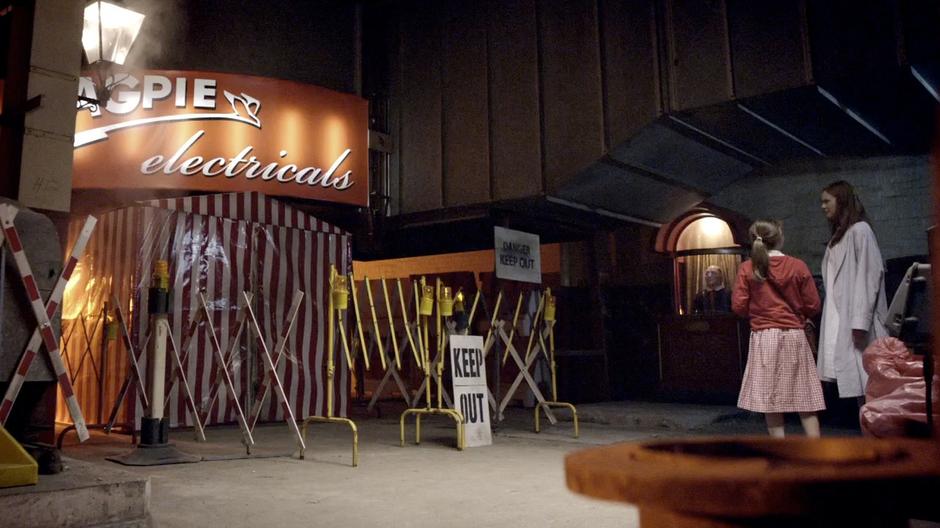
(931, 89)
(853, 114)
(719, 140)
(780, 129)
(655, 176)
(603, 212)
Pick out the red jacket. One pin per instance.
(763, 304)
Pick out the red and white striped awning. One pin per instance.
(253, 207)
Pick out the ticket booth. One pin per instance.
(701, 345)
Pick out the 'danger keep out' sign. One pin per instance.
(517, 255)
(468, 373)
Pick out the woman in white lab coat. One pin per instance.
(855, 308)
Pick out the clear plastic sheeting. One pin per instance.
(219, 246)
(895, 395)
(208, 255)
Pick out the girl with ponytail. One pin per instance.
(777, 293)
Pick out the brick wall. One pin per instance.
(896, 192)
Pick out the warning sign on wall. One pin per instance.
(469, 377)
(517, 255)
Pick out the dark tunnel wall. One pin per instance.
(311, 41)
(495, 100)
(626, 105)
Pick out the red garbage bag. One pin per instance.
(895, 403)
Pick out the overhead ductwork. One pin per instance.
(748, 85)
(637, 111)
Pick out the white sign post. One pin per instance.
(468, 372)
(517, 255)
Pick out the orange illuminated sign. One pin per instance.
(203, 131)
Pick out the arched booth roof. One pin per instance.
(732, 232)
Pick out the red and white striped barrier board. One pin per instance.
(55, 300)
(44, 331)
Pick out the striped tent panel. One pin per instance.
(220, 256)
(252, 207)
(289, 260)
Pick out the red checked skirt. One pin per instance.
(781, 374)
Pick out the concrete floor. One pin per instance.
(518, 481)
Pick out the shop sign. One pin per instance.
(200, 131)
(468, 372)
(517, 255)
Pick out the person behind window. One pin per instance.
(777, 293)
(855, 309)
(715, 298)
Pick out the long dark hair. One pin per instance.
(765, 236)
(849, 209)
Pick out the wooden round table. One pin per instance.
(765, 482)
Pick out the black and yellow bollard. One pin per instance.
(154, 447)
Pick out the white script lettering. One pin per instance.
(250, 166)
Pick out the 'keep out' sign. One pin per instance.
(469, 377)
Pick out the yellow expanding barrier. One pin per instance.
(525, 361)
(512, 329)
(375, 323)
(392, 374)
(362, 337)
(404, 315)
(391, 324)
(549, 321)
(339, 301)
(425, 307)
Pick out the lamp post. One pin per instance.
(107, 36)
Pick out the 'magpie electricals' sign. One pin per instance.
(220, 132)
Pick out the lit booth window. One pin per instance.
(706, 257)
(702, 346)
